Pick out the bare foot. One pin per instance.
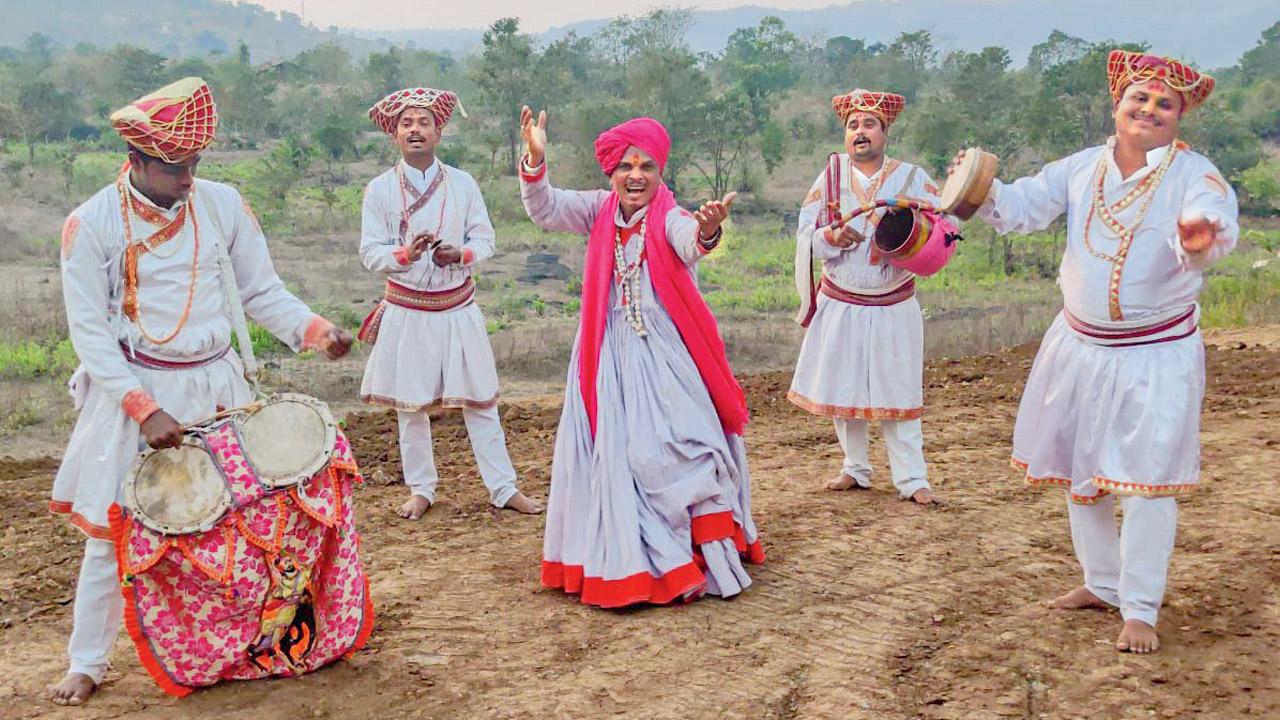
(1137, 637)
(1079, 599)
(845, 482)
(74, 689)
(414, 508)
(924, 496)
(520, 503)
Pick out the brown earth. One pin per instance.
(868, 607)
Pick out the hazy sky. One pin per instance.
(535, 15)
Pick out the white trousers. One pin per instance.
(488, 443)
(98, 612)
(904, 439)
(1127, 570)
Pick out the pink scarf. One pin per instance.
(673, 284)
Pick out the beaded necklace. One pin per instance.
(1146, 189)
(630, 279)
(131, 307)
(407, 211)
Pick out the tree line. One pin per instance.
(736, 115)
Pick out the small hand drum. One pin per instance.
(177, 491)
(967, 188)
(288, 439)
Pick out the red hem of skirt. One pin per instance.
(642, 587)
(81, 523)
(685, 581)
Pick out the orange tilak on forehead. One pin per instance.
(635, 160)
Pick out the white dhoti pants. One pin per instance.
(488, 443)
(1127, 570)
(904, 439)
(98, 613)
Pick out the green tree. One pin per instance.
(1264, 59)
(44, 112)
(719, 139)
(1260, 187)
(759, 61)
(337, 137)
(772, 145)
(503, 75)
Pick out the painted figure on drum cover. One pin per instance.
(863, 353)
(425, 227)
(148, 319)
(650, 493)
(1112, 405)
(288, 625)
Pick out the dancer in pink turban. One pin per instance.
(650, 492)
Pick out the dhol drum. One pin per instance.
(237, 550)
(912, 235)
(968, 186)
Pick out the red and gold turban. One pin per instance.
(883, 105)
(172, 123)
(645, 133)
(386, 113)
(1130, 68)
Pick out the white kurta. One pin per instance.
(427, 358)
(862, 362)
(623, 504)
(106, 440)
(1117, 419)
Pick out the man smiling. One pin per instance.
(425, 227)
(1112, 406)
(863, 355)
(650, 495)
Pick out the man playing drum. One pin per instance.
(650, 493)
(863, 354)
(149, 321)
(425, 227)
(1112, 405)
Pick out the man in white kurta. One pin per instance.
(149, 321)
(425, 227)
(863, 354)
(1112, 405)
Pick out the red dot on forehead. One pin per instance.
(635, 159)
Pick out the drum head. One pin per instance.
(176, 491)
(968, 186)
(289, 439)
(895, 230)
(959, 181)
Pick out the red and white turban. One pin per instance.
(1131, 68)
(172, 123)
(883, 105)
(645, 133)
(386, 112)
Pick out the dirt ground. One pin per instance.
(868, 607)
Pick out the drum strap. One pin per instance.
(906, 186)
(235, 308)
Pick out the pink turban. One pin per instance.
(645, 133)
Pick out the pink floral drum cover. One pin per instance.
(276, 588)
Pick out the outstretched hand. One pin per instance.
(1196, 236)
(712, 214)
(534, 134)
